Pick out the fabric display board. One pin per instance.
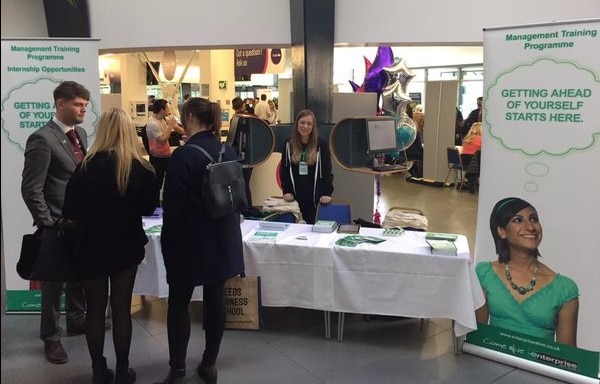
(243, 303)
(541, 143)
(31, 69)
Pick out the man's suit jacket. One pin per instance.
(49, 163)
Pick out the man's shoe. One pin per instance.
(76, 330)
(55, 352)
(208, 373)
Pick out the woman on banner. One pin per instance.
(523, 294)
(305, 170)
(197, 250)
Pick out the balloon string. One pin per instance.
(377, 215)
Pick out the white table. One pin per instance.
(304, 269)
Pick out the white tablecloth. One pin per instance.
(398, 277)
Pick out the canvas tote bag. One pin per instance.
(243, 303)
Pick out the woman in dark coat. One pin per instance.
(305, 170)
(106, 197)
(197, 250)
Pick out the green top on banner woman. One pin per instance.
(523, 294)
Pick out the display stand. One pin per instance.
(348, 147)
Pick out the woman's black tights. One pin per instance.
(121, 288)
(178, 322)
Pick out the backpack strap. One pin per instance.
(221, 153)
(210, 158)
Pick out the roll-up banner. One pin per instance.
(541, 143)
(31, 69)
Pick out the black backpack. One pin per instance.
(223, 187)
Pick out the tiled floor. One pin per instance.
(291, 348)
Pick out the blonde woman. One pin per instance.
(471, 143)
(273, 117)
(106, 197)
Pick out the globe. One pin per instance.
(406, 132)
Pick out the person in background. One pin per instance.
(51, 155)
(255, 103)
(262, 110)
(414, 152)
(159, 128)
(523, 294)
(249, 106)
(273, 117)
(470, 144)
(151, 99)
(197, 250)
(109, 192)
(239, 107)
(474, 117)
(458, 127)
(305, 170)
(185, 98)
(419, 119)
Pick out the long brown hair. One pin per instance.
(296, 140)
(207, 113)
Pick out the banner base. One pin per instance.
(527, 365)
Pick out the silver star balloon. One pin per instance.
(398, 76)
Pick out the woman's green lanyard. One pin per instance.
(303, 167)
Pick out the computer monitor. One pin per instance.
(251, 138)
(381, 135)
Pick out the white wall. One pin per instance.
(440, 21)
(190, 23)
(23, 18)
(209, 23)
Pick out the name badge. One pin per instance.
(303, 168)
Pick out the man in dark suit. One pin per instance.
(51, 155)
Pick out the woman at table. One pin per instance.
(106, 197)
(197, 250)
(522, 293)
(305, 170)
(470, 144)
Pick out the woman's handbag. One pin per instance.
(55, 246)
(243, 303)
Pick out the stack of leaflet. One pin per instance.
(264, 236)
(441, 243)
(324, 226)
(268, 231)
(354, 240)
(273, 226)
